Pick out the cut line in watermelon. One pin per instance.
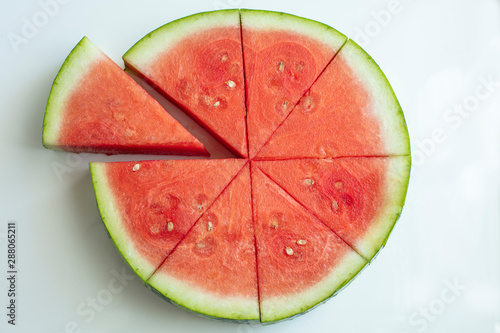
(278, 75)
(92, 108)
(315, 194)
(213, 270)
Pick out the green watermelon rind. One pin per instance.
(112, 219)
(75, 67)
(396, 189)
(164, 38)
(202, 303)
(385, 103)
(275, 21)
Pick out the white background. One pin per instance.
(440, 271)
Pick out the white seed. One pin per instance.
(308, 182)
(338, 185)
(170, 226)
(209, 226)
(224, 58)
(199, 207)
(285, 104)
(335, 205)
(231, 84)
(289, 251)
(301, 242)
(281, 66)
(200, 245)
(216, 104)
(136, 167)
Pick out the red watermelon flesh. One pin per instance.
(283, 55)
(197, 63)
(213, 270)
(94, 106)
(360, 199)
(301, 262)
(149, 206)
(350, 110)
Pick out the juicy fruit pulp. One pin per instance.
(283, 55)
(271, 236)
(93, 107)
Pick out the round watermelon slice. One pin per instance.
(320, 181)
(95, 107)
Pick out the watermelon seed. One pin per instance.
(216, 104)
(200, 245)
(308, 182)
(335, 205)
(199, 207)
(338, 185)
(224, 58)
(289, 251)
(301, 242)
(281, 66)
(136, 167)
(209, 226)
(170, 226)
(231, 84)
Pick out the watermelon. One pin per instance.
(149, 206)
(95, 107)
(213, 270)
(197, 63)
(284, 54)
(301, 262)
(351, 110)
(321, 178)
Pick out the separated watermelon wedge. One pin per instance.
(95, 107)
(197, 63)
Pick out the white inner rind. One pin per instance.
(75, 67)
(145, 52)
(276, 21)
(280, 307)
(112, 218)
(201, 301)
(385, 105)
(396, 183)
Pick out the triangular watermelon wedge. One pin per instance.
(197, 63)
(301, 263)
(351, 110)
(95, 107)
(360, 199)
(284, 54)
(213, 270)
(149, 206)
